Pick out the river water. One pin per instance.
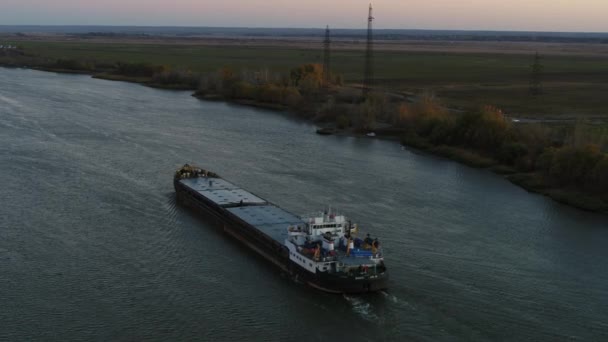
(93, 246)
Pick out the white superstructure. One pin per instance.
(327, 242)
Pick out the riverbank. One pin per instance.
(147, 81)
(244, 102)
(531, 181)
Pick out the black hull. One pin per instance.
(256, 240)
(273, 250)
(332, 283)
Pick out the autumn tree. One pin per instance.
(311, 72)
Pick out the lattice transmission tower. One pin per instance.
(327, 58)
(369, 55)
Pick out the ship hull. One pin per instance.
(256, 240)
(332, 283)
(271, 249)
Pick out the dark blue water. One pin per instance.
(93, 247)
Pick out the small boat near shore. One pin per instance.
(327, 131)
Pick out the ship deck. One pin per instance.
(264, 216)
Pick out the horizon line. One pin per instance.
(299, 28)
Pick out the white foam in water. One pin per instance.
(390, 297)
(10, 101)
(362, 308)
(399, 302)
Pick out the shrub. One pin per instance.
(208, 84)
(342, 121)
(309, 85)
(421, 115)
(139, 69)
(177, 77)
(485, 130)
(366, 118)
(339, 80)
(291, 97)
(245, 90)
(511, 152)
(269, 93)
(312, 72)
(71, 64)
(440, 130)
(597, 179)
(572, 165)
(330, 111)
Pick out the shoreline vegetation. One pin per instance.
(567, 162)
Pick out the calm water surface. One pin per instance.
(93, 247)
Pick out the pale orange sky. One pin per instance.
(542, 15)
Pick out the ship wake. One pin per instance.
(362, 308)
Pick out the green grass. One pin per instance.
(574, 85)
(558, 100)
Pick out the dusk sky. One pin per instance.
(541, 15)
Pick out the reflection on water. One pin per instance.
(92, 245)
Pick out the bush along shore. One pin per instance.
(157, 76)
(568, 163)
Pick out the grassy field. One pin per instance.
(574, 84)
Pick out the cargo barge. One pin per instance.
(321, 250)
